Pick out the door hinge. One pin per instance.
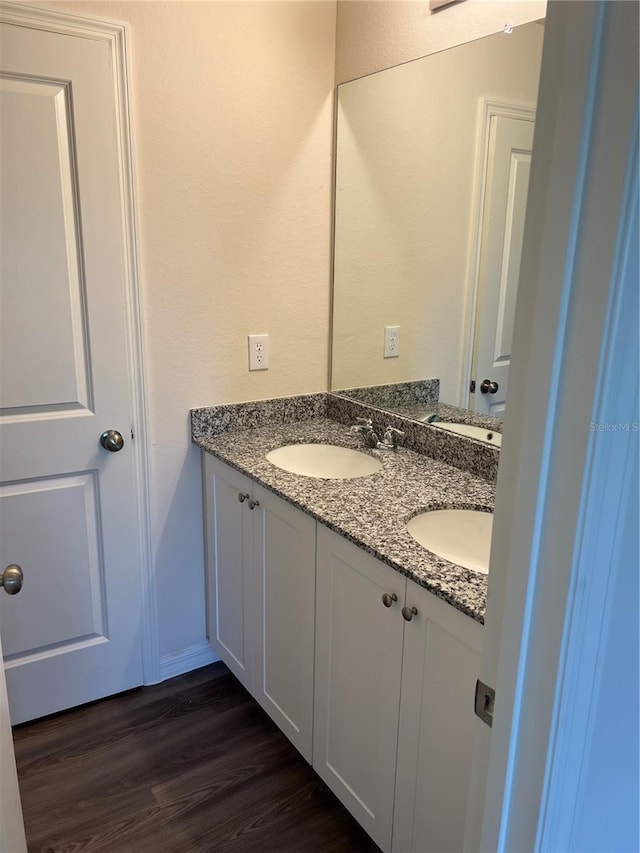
(472, 386)
(484, 701)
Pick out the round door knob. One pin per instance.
(409, 612)
(389, 598)
(11, 579)
(112, 440)
(242, 497)
(253, 504)
(488, 387)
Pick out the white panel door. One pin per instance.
(285, 578)
(12, 839)
(504, 208)
(358, 670)
(68, 507)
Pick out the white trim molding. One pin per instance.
(115, 35)
(553, 469)
(185, 660)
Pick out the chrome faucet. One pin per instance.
(391, 440)
(365, 426)
(393, 437)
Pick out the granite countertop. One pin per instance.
(369, 511)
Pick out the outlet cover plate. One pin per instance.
(258, 352)
(391, 341)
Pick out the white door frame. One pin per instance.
(574, 278)
(115, 36)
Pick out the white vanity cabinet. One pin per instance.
(358, 672)
(367, 673)
(440, 665)
(260, 559)
(393, 719)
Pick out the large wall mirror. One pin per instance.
(432, 169)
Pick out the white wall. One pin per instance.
(406, 206)
(232, 114)
(377, 34)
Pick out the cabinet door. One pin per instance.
(358, 669)
(285, 573)
(441, 662)
(228, 525)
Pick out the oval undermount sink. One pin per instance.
(324, 461)
(471, 431)
(462, 536)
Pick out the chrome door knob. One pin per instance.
(488, 387)
(11, 579)
(112, 440)
(409, 612)
(389, 598)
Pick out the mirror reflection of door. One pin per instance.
(509, 135)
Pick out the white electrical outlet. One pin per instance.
(391, 341)
(258, 352)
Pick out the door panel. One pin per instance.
(229, 554)
(435, 743)
(39, 243)
(358, 669)
(12, 839)
(504, 208)
(65, 606)
(285, 566)
(69, 507)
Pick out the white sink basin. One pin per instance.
(325, 461)
(462, 536)
(472, 431)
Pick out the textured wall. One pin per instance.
(232, 112)
(406, 207)
(377, 34)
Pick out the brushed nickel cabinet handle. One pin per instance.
(389, 598)
(253, 504)
(409, 612)
(242, 497)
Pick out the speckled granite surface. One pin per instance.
(417, 400)
(369, 511)
(213, 420)
(422, 393)
(476, 457)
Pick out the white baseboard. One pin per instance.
(185, 660)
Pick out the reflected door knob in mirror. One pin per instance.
(11, 579)
(488, 387)
(112, 440)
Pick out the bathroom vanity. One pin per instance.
(361, 645)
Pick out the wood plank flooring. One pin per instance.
(192, 765)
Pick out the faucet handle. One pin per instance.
(362, 425)
(393, 435)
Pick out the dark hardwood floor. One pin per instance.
(188, 766)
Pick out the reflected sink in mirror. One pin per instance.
(324, 461)
(462, 536)
(471, 431)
